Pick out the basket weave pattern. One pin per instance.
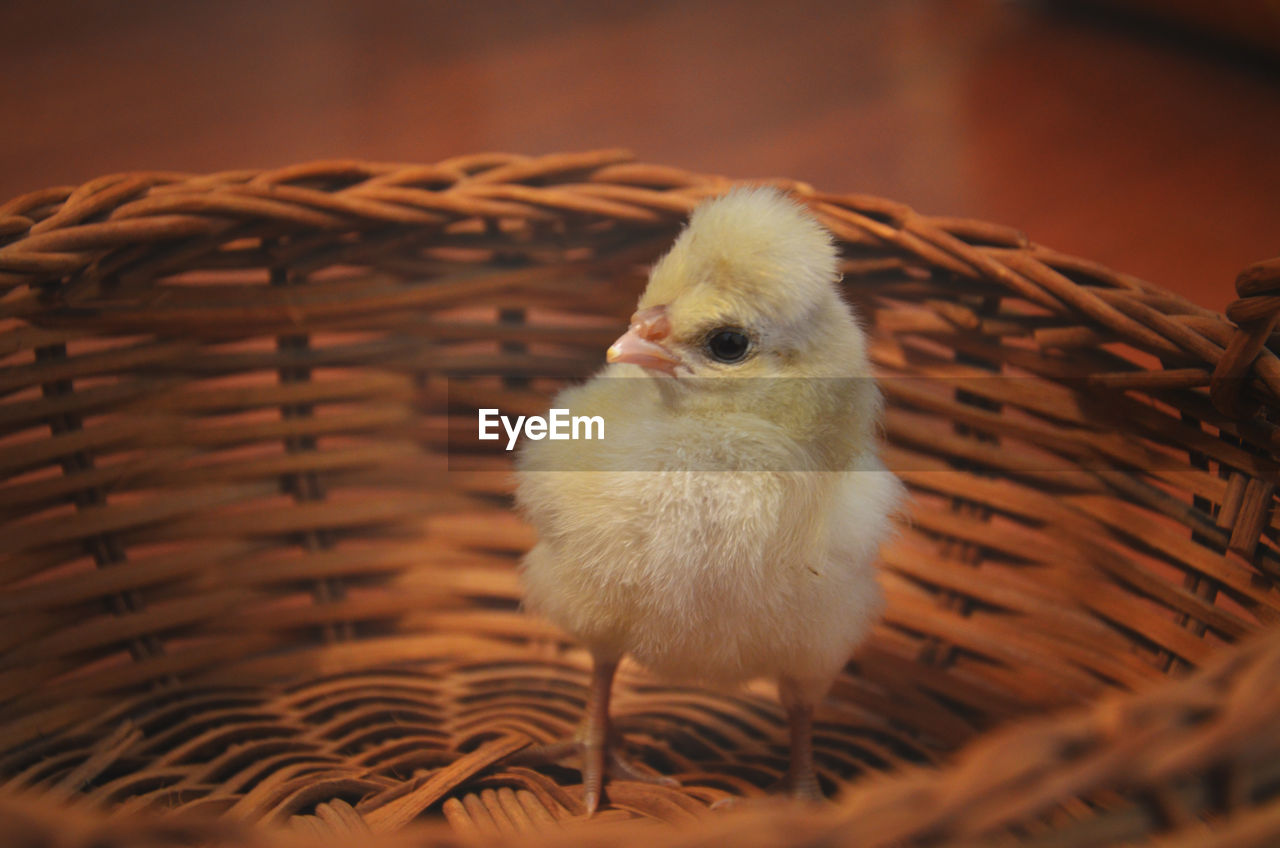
(241, 577)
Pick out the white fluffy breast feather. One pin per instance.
(713, 576)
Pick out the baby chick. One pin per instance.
(726, 527)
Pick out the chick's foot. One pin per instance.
(595, 743)
(598, 761)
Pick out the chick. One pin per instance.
(726, 528)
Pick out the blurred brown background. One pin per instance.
(1152, 148)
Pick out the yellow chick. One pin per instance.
(726, 527)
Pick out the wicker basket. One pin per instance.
(251, 576)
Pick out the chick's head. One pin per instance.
(748, 290)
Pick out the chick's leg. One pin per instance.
(595, 742)
(799, 707)
(595, 736)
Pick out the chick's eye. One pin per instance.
(728, 345)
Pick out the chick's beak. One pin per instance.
(642, 344)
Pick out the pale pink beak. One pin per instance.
(642, 345)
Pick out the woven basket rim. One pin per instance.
(37, 249)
